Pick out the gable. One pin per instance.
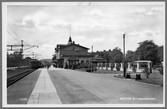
(74, 47)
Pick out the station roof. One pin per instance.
(73, 59)
(62, 46)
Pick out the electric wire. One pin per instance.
(13, 37)
(17, 35)
(14, 31)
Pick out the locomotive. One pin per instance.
(35, 64)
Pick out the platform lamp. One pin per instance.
(92, 59)
(124, 69)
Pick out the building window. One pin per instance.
(87, 61)
(82, 61)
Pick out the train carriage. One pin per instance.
(35, 64)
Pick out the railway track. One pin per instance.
(16, 78)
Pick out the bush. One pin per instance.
(66, 66)
(83, 66)
(90, 68)
(112, 66)
(146, 72)
(134, 69)
(103, 64)
(107, 64)
(160, 70)
(118, 65)
(100, 65)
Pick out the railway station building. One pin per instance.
(71, 54)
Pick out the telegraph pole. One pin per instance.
(124, 69)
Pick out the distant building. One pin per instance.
(71, 54)
(103, 55)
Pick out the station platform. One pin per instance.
(44, 91)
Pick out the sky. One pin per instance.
(96, 24)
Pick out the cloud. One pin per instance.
(148, 12)
(58, 24)
(46, 46)
(40, 16)
(98, 39)
(101, 26)
(145, 33)
(148, 33)
(134, 34)
(35, 19)
(96, 12)
(79, 37)
(136, 37)
(45, 50)
(156, 9)
(91, 24)
(29, 22)
(138, 11)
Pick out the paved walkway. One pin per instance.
(44, 91)
(78, 87)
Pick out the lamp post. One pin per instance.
(124, 69)
(92, 59)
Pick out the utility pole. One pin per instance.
(21, 51)
(21, 46)
(92, 58)
(124, 69)
(33, 55)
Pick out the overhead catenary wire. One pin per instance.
(26, 43)
(13, 37)
(17, 34)
(18, 39)
(14, 32)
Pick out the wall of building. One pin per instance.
(74, 50)
(58, 55)
(84, 59)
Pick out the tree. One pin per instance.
(107, 57)
(112, 66)
(160, 53)
(147, 50)
(14, 59)
(146, 72)
(130, 56)
(117, 55)
(54, 58)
